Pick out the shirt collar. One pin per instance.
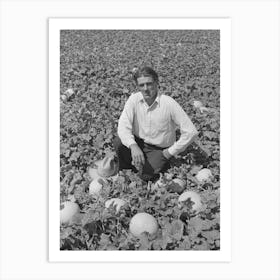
(157, 100)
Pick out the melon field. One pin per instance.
(95, 81)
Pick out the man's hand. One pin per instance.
(166, 154)
(137, 156)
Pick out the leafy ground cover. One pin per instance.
(96, 79)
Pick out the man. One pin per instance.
(147, 126)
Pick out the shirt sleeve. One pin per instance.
(125, 123)
(187, 129)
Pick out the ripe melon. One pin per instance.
(63, 97)
(203, 110)
(190, 196)
(93, 173)
(180, 182)
(204, 175)
(176, 185)
(168, 176)
(67, 210)
(95, 186)
(197, 104)
(69, 92)
(143, 222)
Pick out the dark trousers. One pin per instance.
(155, 162)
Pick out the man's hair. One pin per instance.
(145, 71)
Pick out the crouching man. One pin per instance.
(146, 129)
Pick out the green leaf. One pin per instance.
(176, 230)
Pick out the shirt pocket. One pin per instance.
(160, 124)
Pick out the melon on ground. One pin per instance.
(204, 175)
(95, 186)
(193, 198)
(197, 104)
(67, 211)
(143, 222)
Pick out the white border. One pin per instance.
(55, 255)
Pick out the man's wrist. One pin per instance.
(166, 154)
(133, 145)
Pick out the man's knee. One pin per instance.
(123, 153)
(155, 163)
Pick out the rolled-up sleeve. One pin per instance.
(125, 124)
(187, 129)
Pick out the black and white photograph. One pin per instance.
(140, 139)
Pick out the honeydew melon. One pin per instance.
(143, 222)
(67, 210)
(204, 175)
(192, 197)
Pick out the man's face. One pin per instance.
(148, 88)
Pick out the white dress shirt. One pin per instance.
(156, 124)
